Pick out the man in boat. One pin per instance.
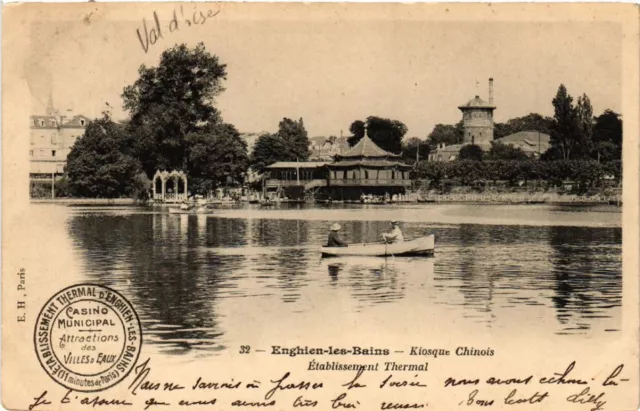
(334, 238)
(395, 235)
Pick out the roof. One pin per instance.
(530, 135)
(318, 139)
(298, 164)
(368, 163)
(476, 102)
(366, 148)
(529, 141)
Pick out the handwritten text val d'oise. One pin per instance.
(154, 30)
(397, 391)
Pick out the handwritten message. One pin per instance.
(393, 391)
(152, 31)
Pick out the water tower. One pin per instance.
(477, 119)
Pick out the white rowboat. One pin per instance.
(422, 246)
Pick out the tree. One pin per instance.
(99, 164)
(295, 137)
(605, 151)
(607, 136)
(269, 148)
(357, 129)
(386, 133)
(471, 152)
(168, 102)
(415, 148)
(445, 133)
(571, 131)
(290, 143)
(216, 158)
(584, 118)
(500, 151)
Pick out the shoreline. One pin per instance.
(85, 201)
(443, 199)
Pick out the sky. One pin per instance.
(332, 72)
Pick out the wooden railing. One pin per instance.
(371, 182)
(271, 183)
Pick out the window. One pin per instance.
(366, 175)
(41, 123)
(473, 139)
(393, 175)
(82, 122)
(53, 153)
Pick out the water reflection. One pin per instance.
(587, 279)
(195, 280)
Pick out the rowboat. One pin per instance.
(175, 210)
(422, 246)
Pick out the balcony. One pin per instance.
(357, 182)
(271, 183)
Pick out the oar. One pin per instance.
(385, 250)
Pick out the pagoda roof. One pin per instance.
(476, 102)
(366, 148)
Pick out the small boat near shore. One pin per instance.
(422, 246)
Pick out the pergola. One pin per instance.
(170, 186)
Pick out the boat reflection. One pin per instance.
(380, 280)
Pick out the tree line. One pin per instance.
(173, 124)
(587, 173)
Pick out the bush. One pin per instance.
(587, 173)
(62, 187)
(140, 187)
(39, 190)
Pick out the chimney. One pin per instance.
(491, 91)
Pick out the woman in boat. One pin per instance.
(395, 235)
(334, 238)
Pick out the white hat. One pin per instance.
(335, 227)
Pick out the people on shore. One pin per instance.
(334, 239)
(393, 236)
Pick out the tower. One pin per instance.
(50, 110)
(477, 119)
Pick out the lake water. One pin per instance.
(202, 284)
